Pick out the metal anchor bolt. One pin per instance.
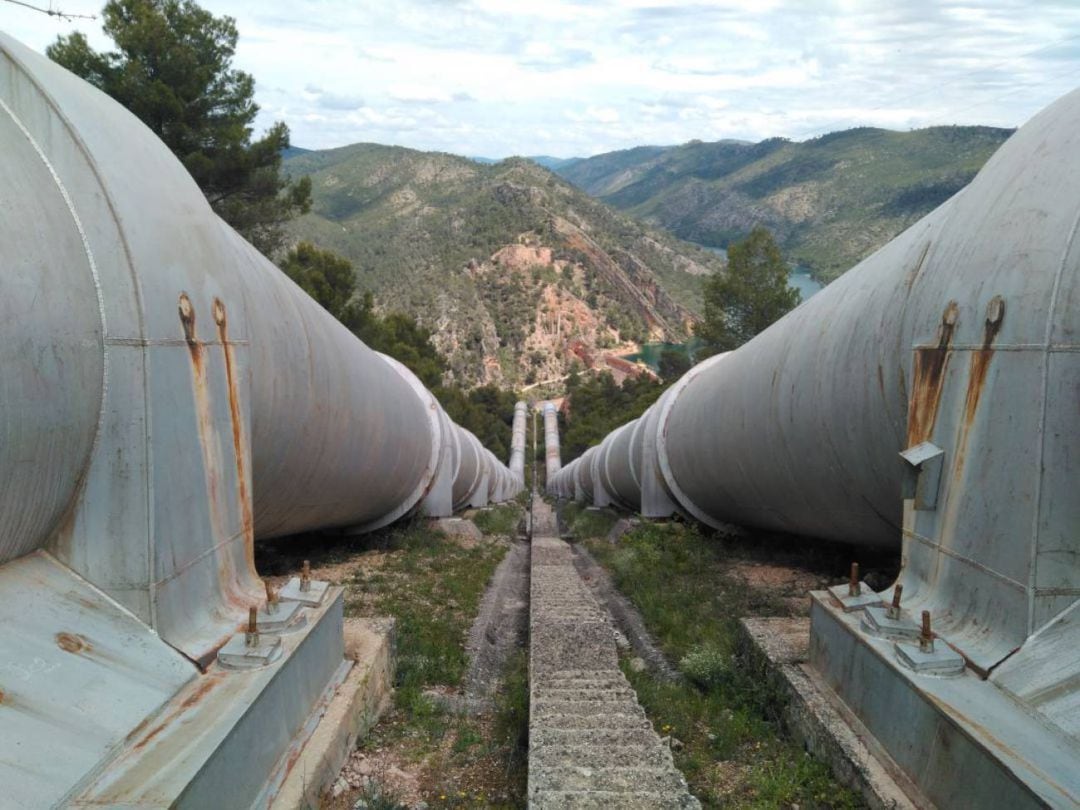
(305, 576)
(271, 598)
(854, 589)
(926, 638)
(251, 637)
(893, 611)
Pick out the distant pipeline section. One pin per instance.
(927, 400)
(517, 442)
(553, 462)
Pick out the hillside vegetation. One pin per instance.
(830, 201)
(518, 275)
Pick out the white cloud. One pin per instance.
(564, 77)
(603, 115)
(418, 93)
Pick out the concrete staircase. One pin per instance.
(590, 744)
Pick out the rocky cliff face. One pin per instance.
(518, 275)
(542, 315)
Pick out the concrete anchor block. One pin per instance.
(348, 714)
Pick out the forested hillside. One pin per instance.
(830, 201)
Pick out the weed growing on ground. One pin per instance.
(499, 743)
(707, 666)
(501, 520)
(432, 585)
(512, 723)
(583, 523)
(721, 720)
(374, 797)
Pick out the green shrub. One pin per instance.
(706, 665)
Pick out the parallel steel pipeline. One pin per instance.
(961, 333)
(169, 395)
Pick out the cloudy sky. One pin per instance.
(502, 77)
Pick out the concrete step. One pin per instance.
(601, 681)
(546, 707)
(630, 755)
(615, 778)
(570, 674)
(598, 736)
(570, 722)
(601, 695)
(606, 800)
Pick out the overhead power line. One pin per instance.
(53, 12)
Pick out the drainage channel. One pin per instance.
(590, 744)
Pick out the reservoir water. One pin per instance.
(799, 278)
(649, 353)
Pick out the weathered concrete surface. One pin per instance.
(776, 650)
(590, 744)
(352, 711)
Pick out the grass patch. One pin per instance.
(492, 751)
(512, 723)
(503, 519)
(584, 524)
(432, 585)
(730, 746)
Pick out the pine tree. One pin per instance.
(172, 68)
(750, 295)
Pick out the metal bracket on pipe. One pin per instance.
(922, 474)
(938, 660)
(877, 621)
(313, 595)
(863, 597)
(283, 617)
(238, 653)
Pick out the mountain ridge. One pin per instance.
(519, 275)
(830, 200)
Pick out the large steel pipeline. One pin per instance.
(800, 430)
(927, 397)
(618, 469)
(583, 475)
(551, 441)
(470, 469)
(167, 387)
(517, 442)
